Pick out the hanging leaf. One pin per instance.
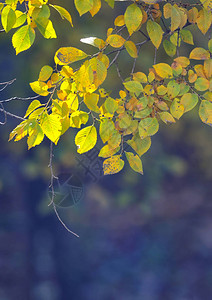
(36, 134)
(205, 112)
(51, 127)
(133, 17)
(148, 127)
(113, 165)
(83, 6)
(86, 139)
(140, 146)
(33, 105)
(189, 101)
(135, 162)
(45, 73)
(169, 48)
(131, 49)
(23, 38)
(8, 18)
(155, 33)
(63, 13)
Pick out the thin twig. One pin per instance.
(51, 186)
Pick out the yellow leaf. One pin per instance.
(68, 55)
(199, 54)
(113, 165)
(183, 61)
(33, 105)
(155, 33)
(36, 135)
(131, 49)
(176, 108)
(96, 7)
(19, 131)
(119, 21)
(39, 88)
(115, 40)
(91, 101)
(163, 70)
(204, 20)
(51, 127)
(107, 151)
(86, 139)
(78, 118)
(166, 117)
(205, 112)
(133, 17)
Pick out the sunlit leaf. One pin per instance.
(86, 139)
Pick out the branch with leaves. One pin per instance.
(131, 115)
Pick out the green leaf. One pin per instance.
(63, 13)
(189, 101)
(113, 165)
(148, 127)
(140, 146)
(187, 36)
(155, 33)
(20, 18)
(134, 87)
(169, 48)
(45, 73)
(86, 139)
(135, 162)
(46, 28)
(83, 6)
(110, 3)
(23, 38)
(51, 127)
(133, 17)
(8, 18)
(166, 117)
(201, 84)
(205, 112)
(106, 129)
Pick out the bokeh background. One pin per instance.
(141, 237)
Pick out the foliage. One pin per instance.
(131, 115)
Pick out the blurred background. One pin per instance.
(141, 237)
